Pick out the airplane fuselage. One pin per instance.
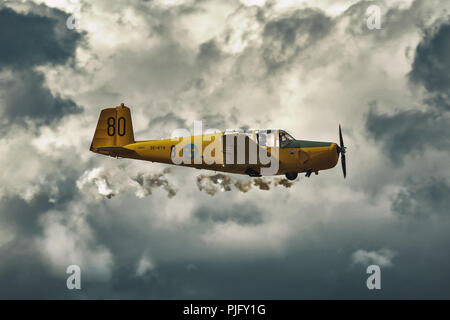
(300, 157)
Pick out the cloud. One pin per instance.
(68, 239)
(26, 98)
(382, 257)
(286, 37)
(145, 265)
(29, 40)
(409, 132)
(423, 199)
(240, 214)
(397, 19)
(431, 62)
(206, 60)
(166, 124)
(413, 131)
(209, 54)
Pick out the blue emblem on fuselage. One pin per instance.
(190, 151)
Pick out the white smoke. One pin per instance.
(107, 183)
(147, 182)
(219, 182)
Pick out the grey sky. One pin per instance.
(138, 230)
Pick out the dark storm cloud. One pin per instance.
(23, 216)
(312, 267)
(240, 214)
(424, 199)
(287, 36)
(300, 273)
(432, 65)
(25, 275)
(208, 55)
(29, 40)
(26, 97)
(409, 132)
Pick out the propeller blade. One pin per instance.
(341, 140)
(342, 152)
(344, 167)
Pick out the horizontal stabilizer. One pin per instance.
(117, 151)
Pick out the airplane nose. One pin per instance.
(333, 147)
(334, 153)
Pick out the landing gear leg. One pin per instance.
(308, 173)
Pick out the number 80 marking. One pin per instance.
(121, 126)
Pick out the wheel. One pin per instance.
(291, 175)
(252, 173)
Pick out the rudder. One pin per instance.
(114, 128)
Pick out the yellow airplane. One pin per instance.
(250, 152)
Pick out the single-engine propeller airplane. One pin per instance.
(234, 151)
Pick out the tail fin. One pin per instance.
(114, 128)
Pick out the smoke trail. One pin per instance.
(284, 182)
(149, 181)
(212, 184)
(262, 183)
(107, 183)
(96, 182)
(243, 186)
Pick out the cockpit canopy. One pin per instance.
(285, 138)
(265, 138)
